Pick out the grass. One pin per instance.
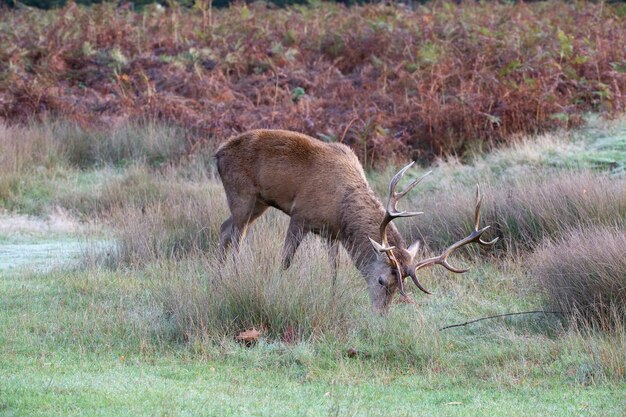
(147, 326)
(169, 386)
(530, 156)
(143, 323)
(68, 144)
(594, 292)
(90, 340)
(525, 211)
(538, 188)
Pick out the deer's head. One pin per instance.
(395, 264)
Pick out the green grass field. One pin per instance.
(121, 313)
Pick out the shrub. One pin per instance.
(387, 80)
(584, 274)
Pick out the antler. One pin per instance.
(442, 259)
(392, 213)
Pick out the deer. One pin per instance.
(323, 189)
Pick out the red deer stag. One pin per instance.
(323, 188)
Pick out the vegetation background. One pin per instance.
(49, 4)
(389, 81)
(113, 302)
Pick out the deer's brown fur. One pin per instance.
(321, 186)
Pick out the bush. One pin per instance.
(584, 274)
(52, 4)
(386, 80)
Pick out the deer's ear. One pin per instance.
(412, 250)
(378, 248)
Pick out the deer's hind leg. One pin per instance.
(244, 211)
(295, 233)
(226, 236)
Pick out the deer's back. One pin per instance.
(290, 171)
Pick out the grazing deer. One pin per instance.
(323, 188)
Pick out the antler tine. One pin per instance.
(394, 196)
(399, 280)
(479, 200)
(380, 248)
(417, 283)
(392, 210)
(474, 237)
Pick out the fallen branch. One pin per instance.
(501, 315)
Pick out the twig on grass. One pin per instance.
(501, 315)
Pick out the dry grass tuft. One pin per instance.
(181, 219)
(584, 274)
(32, 147)
(525, 211)
(23, 149)
(205, 299)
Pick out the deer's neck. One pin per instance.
(361, 216)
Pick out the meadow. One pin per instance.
(112, 298)
(141, 318)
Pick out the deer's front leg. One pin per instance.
(295, 233)
(333, 257)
